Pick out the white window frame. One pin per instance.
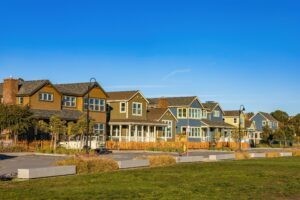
(20, 100)
(45, 96)
(216, 113)
(96, 104)
(137, 109)
(194, 132)
(123, 111)
(168, 130)
(235, 120)
(204, 114)
(69, 101)
(180, 113)
(99, 129)
(195, 113)
(264, 123)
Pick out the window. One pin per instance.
(264, 123)
(270, 124)
(168, 129)
(235, 120)
(194, 132)
(136, 108)
(195, 113)
(69, 101)
(95, 104)
(122, 107)
(46, 97)
(99, 129)
(20, 100)
(181, 112)
(216, 113)
(204, 114)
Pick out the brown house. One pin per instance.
(129, 118)
(68, 101)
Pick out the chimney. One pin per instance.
(163, 103)
(10, 90)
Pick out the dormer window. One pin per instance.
(122, 107)
(69, 101)
(136, 108)
(216, 113)
(46, 96)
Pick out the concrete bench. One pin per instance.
(222, 157)
(46, 172)
(286, 154)
(257, 155)
(126, 164)
(189, 159)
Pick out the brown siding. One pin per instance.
(35, 103)
(169, 116)
(115, 111)
(139, 99)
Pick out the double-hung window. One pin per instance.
(99, 129)
(20, 100)
(168, 129)
(122, 107)
(194, 113)
(216, 113)
(136, 108)
(69, 101)
(95, 104)
(46, 96)
(181, 112)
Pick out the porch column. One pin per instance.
(154, 133)
(111, 131)
(143, 136)
(148, 133)
(136, 133)
(120, 133)
(129, 134)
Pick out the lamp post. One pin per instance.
(92, 80)
(242, 108)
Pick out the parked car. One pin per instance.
(102, 150)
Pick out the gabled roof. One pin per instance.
(211, 105)
(124, 95)
(155, 114)
(177, 101)
(265, 115)
(77, 89)
(231, 113)
(31, 87)
(28, 88)
(248, 123)
(216, 124)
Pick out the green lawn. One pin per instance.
(277, 178)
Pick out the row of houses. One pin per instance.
(130, 116)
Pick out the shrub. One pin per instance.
(12, 149)
(296, 152)
(90, 164)
(272, 154)
(161, 160)
(242, 155)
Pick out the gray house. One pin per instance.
(189, 112)
(215, 121)
(262, 119)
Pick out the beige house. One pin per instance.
(234, 117)
(130, 120)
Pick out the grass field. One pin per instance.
(276, 178)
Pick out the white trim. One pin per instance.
(136, 114)
(120, 104)
(171, 114)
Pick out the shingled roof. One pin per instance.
(268, 116)
(175, 101)
(121, 95)
(28, 87)
(216, 124)
(231, 113)
(63, 114)
(76, 89)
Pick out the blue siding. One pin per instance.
(217, 119)
(258, 118)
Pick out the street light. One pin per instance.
(92, 80)
(242, 108)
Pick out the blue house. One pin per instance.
(262, 119)
(189, 112)
(215, 122)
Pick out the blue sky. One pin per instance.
(234, 52)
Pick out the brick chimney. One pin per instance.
(163, 103)
(10, 90)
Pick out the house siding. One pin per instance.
(216, 119)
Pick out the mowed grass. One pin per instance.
(273, 178)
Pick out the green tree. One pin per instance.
(267, 135)
(15, 119)
(72, 130)
(281, 116)
(56, 127)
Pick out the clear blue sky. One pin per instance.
(234, 52)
